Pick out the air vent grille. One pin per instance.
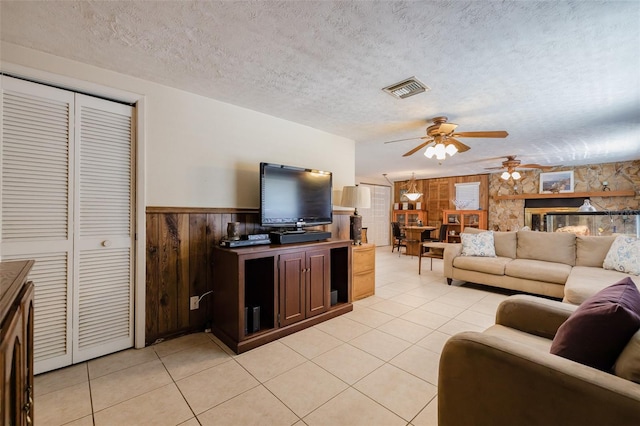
(404, 89)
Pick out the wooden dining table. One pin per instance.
(414, 238)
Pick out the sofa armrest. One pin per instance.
(533, 315)
(486, 380)
(451, 251)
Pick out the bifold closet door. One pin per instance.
(377, 218)
(37, 206)
(66, 189)
(103, 270)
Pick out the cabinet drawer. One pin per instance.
(363, 285)
(363, 259)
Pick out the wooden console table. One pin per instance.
(16, 343)
(262, 293)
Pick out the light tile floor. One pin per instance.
(377, 365)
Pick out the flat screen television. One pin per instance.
(294, 197)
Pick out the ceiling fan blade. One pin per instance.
(446, 128)
(491, 134)
(461, 147)
(417, 148)
(407, 139)
(494, 168)
(535, 166)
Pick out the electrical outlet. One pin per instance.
(194, 303)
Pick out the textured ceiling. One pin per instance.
(563, 78)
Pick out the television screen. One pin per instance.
(294, 197)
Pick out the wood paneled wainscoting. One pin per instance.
(179, 245)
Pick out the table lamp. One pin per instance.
(356, 197)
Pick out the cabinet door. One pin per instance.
(292, 287)
(318, 292)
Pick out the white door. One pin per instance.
(103, 272)
(66, 160)
(378, 217)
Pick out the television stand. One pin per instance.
(291, 237)
(267, 292)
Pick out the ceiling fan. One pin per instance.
(511, 164)
(441, 135)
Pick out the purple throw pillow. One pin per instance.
(597, 332)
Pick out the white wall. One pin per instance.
(199, 152)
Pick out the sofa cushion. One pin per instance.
(538, 270)
(480, 244)
(487, 265)
(505, 242)
(628, 363)
(597, 332)
(585, 281)
(624, 255)
(559, 247)
(591, 250)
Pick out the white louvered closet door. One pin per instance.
(37, 206)
(103, 270)
(378, 217)
(67, 203)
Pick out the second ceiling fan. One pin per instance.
(441, 134)
(511, 164)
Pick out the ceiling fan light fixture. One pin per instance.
(505, 175)
(451, 149)
(430, 152)
(515, 175)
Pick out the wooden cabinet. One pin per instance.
(457, 220)
(304, 285)
(16, 343)
(285, 287)
(363, 271)
(409, 217)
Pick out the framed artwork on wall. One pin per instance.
(556, 182)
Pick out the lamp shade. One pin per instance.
(356, 196)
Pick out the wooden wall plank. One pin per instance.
(174, 272)
(152, 279)
(182, 269)
(198, 270)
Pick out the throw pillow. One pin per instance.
(478, 244)
(597, 332)
(624, 255)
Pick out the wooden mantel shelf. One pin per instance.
(625, 193)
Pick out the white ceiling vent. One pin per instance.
(404, 89)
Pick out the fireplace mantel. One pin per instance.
(624, 193)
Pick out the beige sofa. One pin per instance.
(506, 375)
(556, 264)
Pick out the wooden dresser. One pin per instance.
(363, 270)
(16, 343)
